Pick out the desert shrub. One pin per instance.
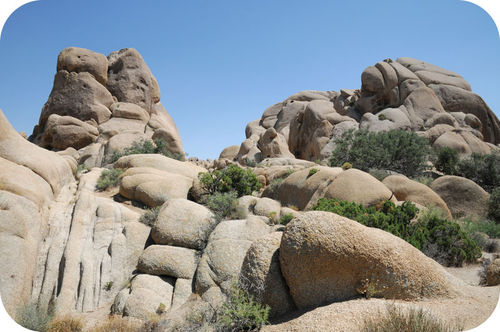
(483, 169)
(378, 174)
(108, 286)
(346, 166)
(81, 168)
(273, 217)
(408, 320)
(108, 178)
(149, 216)
(434, 235)
(382, 117)
(241, 312)
(312, 171)
(119, 324)
(222, 204)
(427, 180)
(446, 160)
(65, 324)
(488, 227)
(231, 178)
(286, 218)
(35, 318)
(158, 146)
(273, 186)
(396, 150)
(494, 206)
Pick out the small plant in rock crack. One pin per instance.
(108, 286)
(286, 218)
(109, 178)
(312, 171)
(161, 309)
(149, 216)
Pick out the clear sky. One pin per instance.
(220, 64)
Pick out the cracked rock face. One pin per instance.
(406, 94)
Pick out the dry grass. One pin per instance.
(119, 324)
(65, 324)
(408, 320)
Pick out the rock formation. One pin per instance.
(99, 105)
(406, 94)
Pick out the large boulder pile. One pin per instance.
(99, 105)
(406, 94)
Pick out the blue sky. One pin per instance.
(220, 64)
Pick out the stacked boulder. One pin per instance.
(405, 94)
(99, 105)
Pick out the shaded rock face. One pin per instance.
(406, 94)
(98, 98)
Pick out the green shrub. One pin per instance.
(427, 180)
(222, 204)
(35, 318)
(241, 313)
(108, 178)
(312, 171)
(158, 146)
(273, 217)
(231, 178)
(378, 174)
(81, 168)
(65, 324)
(396, 150)
(408, 320)
(483, 169)
(446, 160)
(435, 236)
(286, 218)
(108, 286)
(494, 206)
(149, 216)
(382, 117)
(346, 166)
(488, 227)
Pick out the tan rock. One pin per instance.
(493, 273)
(328, 258)
(230, 152)
(261, 275)
(129, 111)
(76, 59)
(183, 223)
(462, 196)
(408, 190)
(62, 132)
(170, 261)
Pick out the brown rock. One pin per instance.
(75, 59)
(462, 196)
(62, 132)
(328, 258)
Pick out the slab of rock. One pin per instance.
(129, 111)
(76, 59)
(230, 152)
(462, 196)
(328, 258)
(261, 275)
(183, 223)
(493, 273)
(170, 261)
(408, 190)
(182, 292)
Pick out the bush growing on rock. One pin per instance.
(241, 312)
(409, 320)
(435, 236)
(231, 178)
(158, 146)
(483, 169)
(396, 150)
(149, 216)
(222, 204)
(446, 160)
(35, 318)
(286, 218)
(65, 324)
(108, 178)
(494, 206)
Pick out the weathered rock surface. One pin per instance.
(261, 275)
(76, 59)
(493, 273)
(163, 260)
(183, 223)
(227, 246)
(408, 190)
(463, 196)
(327, 258)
